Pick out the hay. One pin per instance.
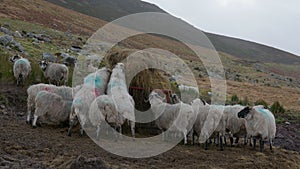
(143, 82)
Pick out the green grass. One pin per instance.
(60, 42)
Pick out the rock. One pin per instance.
(5, 40)
(17, 34)
(49, 57)
(287, 123)
(5, 30)
(76, 49)
(84, 163)
(2, 106)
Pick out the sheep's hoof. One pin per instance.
(34, 127)
(27, 122)
(69, 134)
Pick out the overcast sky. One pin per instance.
(274, 23)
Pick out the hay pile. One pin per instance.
(143, 82)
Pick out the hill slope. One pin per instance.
(107, 9)
(112, 9)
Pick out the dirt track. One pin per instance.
(50, 147)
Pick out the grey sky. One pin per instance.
(274, 23)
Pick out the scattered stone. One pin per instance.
(2, 106)
(5, 30)
(287, 123)
(76, 49)
(49, 57)
(5, 40)
(17, 34)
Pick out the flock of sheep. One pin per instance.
(104, 97)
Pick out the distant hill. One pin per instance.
(112, 9)
(107, 10)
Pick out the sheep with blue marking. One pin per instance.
(51, 108)
(260, 124)
(64, 91)
(21, 68)
(94, 85)
(117, 90)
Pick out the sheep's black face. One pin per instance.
(43, 64)
(243, 113)
(14, 58)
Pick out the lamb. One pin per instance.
(52, 108)
(188, 93)
(103, 109)
(260, 123)
(117, 90)
(65, 92)
(94, 85)
(55, 72)
(172, 117)
(21, 68)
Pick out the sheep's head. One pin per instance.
(243, 113)
(157, 94)
(120, 66)
(175, 98)
(43, 64)
(14, 58)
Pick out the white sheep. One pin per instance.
(117, 90)
(188, 93)
(52, 108)
(172, 117)
(210, 121)
(103, 109)
(55, 72)
(94, 85)
(260, 123)
(235, 125)
(65, 92)
(21, 68)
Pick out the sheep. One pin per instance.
(175, 117)
(103, 109)
(188, 93)
(52, 108)
(55, 72)
(21, 68)
(117, 90)
(210, 121)
(235, 125)
(94, 85)
(260, 123)
(65, 92)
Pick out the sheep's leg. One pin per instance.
(98, 132)
(245, 140)
(70, 130)
(237, 140)
(115, 133)
(81, 131)
(34, 121)
(185, 137)
(221, 142)
(132, 129)
(28, 117)
(254, 143)
(206, 145)
(231, 141)
(271, 144)
(261, 145)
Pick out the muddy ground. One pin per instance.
(50, 147)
